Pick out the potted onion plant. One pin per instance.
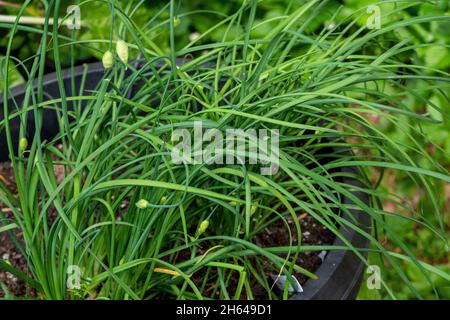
(126, 186)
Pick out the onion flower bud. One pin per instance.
(203, 226)
(108, 60)
(142, 204)
(122, 51)
(23, 144)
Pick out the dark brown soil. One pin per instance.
(277, 235)
(312, 233)
(8, 249)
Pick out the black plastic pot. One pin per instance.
(341, 273)
(339, 276)
(51, 90)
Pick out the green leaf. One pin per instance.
(8, 227)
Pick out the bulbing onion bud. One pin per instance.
(122, 51)
(108, 60)
(23, 144)
(142, 204)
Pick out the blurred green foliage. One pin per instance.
(198, 17)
